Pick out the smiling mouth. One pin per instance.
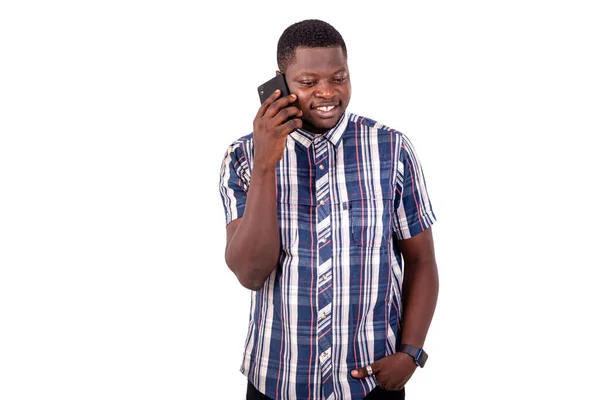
(325, 108)
(328, 111)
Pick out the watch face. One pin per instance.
(421, 358)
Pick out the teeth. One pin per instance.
(326, 108)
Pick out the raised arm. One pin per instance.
(253, 242)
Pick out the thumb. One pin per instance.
(359, 373)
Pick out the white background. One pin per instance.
(114, 118)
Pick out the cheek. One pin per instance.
(347, 91)
(302, 103)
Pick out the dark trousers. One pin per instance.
(376, 394)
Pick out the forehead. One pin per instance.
(318, 60)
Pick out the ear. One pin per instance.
(278, 72)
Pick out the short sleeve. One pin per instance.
(412, 207)
(234, 182)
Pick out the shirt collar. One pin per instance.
(334, 135)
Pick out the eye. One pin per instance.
(340, 79)
(308, 83)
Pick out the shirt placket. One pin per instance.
(324, 261)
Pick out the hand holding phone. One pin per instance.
(277, 117)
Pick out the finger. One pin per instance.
(376, 367)
(360, 373)
(286, 113)
(289, 126)
(267, 103)
(279, 104)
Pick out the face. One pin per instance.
(321, 80)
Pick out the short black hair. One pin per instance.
(309, 33)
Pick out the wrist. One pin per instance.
(263, 168)
(406, 358)
(263, 172)
(418, 355)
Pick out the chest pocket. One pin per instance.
(294, 205)
(294, 217)
(370, 220)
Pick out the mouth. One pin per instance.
(326, 111)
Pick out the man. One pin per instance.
(322, 207)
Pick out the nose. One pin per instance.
(325, 90)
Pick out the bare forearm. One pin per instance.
(253, 251)
(419, 298)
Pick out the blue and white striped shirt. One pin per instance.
(334, 302)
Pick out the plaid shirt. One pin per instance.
(334, 302)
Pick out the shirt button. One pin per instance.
(322, 202)
(321, 167)
(323, 240)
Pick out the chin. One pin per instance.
(321, 126)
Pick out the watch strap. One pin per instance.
(418, 354)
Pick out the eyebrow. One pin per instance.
(306, 73)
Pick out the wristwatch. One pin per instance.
(417, 353)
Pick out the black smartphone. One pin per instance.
(267, 88)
